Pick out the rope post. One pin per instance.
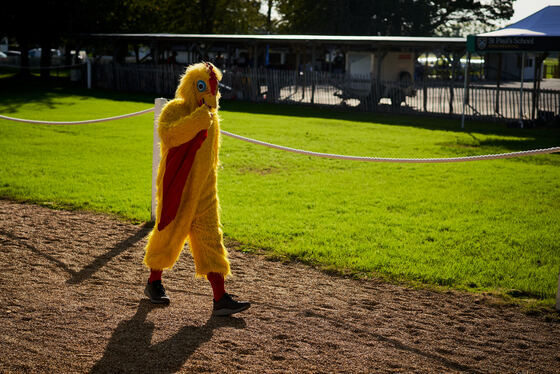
(158, 106)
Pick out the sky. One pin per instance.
(524, 8)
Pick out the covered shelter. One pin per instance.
(294, 49)
(538, 33)
(342, 69)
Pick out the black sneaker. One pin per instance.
(156, 292)
(226, 306)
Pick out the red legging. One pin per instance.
(216, 281)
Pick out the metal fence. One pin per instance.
(443, 98)
(157, 79)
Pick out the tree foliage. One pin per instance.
(50, 23)
(35, 20)
(212, 17)
(384, 17)
(52, 18)
(47, 23)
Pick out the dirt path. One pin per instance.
(71, 301)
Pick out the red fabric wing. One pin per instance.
(177, 168)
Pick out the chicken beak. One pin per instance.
(210, 100)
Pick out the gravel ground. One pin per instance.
(71, 300)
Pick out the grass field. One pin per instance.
(485, 226)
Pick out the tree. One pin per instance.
(45, 23)
(487, 17)
(35, 23)
(212, 17)
(384, 17)
(48, 23)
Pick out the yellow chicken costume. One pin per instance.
(190, 119)
(188, 208)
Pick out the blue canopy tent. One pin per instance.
(539, 32)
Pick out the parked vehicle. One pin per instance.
(373, 76)
(36, 53)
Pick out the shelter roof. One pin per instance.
(372, 41)
(540, 32)
(545, 22)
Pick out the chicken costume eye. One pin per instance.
(201, 85)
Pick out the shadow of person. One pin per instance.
(102, 260)
(130, 349)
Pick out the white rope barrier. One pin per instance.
(77, 122)
(399, 160)
(311, 153)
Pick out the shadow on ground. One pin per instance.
(15, 91)
(116, 250)
(130, 349)
(94, 266)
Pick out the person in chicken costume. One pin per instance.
(188, 208)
